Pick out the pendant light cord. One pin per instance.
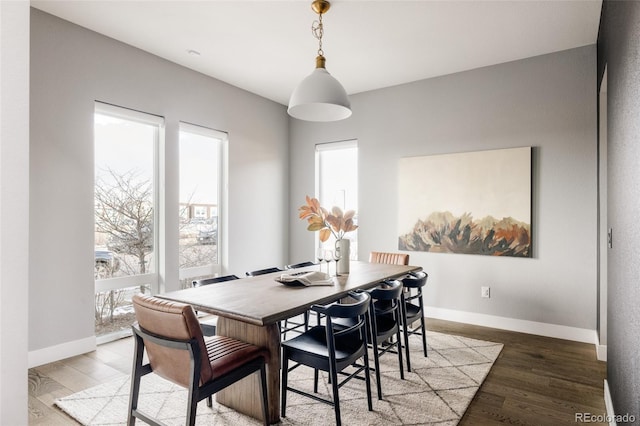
(318, 31)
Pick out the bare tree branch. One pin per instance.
(124, 211)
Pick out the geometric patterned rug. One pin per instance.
(436, 392)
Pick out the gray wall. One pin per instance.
(548, 102)
(72, 67)
(618, 49)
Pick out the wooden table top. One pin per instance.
(261, 300)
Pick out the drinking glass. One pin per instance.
(336, 257)
(320, 256)
(328, 257)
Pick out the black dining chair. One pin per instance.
(300, 265)
(331, 349)
(412, 312)
(386, 321)
(210, 323)
(213, 280)
(284, 325)
(263, 271)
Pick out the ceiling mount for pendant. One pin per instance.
(320, 6)
(319, 97)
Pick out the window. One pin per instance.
(127, 212)
(125, 143)
(337, 182)
(200, 201)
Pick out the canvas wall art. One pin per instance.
(470, 203)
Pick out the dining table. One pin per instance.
(250, 309)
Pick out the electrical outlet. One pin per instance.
(485, 292)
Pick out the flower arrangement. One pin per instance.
(334, 223)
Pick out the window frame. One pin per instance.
(334, 146)
(150, 278)
(215, 268)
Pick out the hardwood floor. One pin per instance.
(65, 377)
(535, 381)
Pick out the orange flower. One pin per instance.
(320, 219)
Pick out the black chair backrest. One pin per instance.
(207, 281)
(263, 271)
(356, 310)
(300, 265)
(387, 290)
(389, 293)
(415, 280)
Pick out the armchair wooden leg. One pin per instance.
(191, 408)
(367, 380)
(406, 346)
(265, 398)
(424, 336)
(376, 361)
(399, 348)
(135, 381)
(285, 373)
(336, 397)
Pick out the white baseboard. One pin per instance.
(61, 351)
(608, 403)
(601, 352)
(77, 347)
(512, 324)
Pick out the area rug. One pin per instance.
(436, 392)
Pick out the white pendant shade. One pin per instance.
(319, 97)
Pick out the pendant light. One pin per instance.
(319, 97)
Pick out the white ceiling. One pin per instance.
(266, 47)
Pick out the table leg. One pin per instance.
(244, 396)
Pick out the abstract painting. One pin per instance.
(469, 203)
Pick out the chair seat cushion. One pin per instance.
(382, 306)
(227, 354)
(413, 312)
(313, 343)
(386, 324)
